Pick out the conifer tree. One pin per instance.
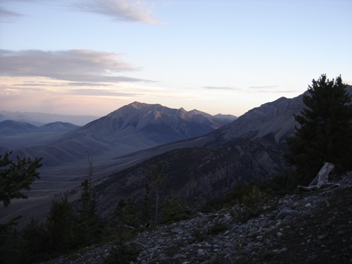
(34, 244)
(173, 210)
(146, 214)
(16, 176)
(324, 133)
(126, 220)
(62, 227)
(158, 184)
(89, 222)
(125, 213)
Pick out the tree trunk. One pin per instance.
(321, 179)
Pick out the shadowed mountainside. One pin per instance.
(197, 175)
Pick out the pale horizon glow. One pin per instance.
(82, 57)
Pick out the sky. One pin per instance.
(91, 57)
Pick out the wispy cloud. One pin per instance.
(101, 92)
(7, 15)
(39, 84)
(119, 10)
(221, 88)
(43, 88)
(271, 89)
(86, 84)
(266, 87)
(288, 91)
(69, 65)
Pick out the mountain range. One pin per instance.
(252, 147)
(131, 128)
(17, 134)
(40, 119)
(203, 156)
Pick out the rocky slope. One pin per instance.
(314, 227)
(276, 118)
(196, 175)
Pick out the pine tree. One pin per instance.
(89, 222)
(325, 131)
(146, 214)
(62, 225)
(158, 184)
(16, 176)
(126, 220)
(173, 210)
(34, 244)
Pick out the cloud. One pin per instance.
(272, 89)
(221, 88)
(288, 91)
(86, 84)
(35, 84)
(101, 92)
(27, 88)
(119, 10)
(263, 87)
(69, 65)
(8, 16)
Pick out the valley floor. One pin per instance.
(313, 227)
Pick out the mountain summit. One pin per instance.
(154, 123)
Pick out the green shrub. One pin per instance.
(173, 211)
(123, 254)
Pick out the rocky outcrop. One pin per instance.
(313, 227)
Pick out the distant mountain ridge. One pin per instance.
(12, 127)
(131, 128)
(39, 119)
(17, 134)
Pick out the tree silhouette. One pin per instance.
(90, 223)
(158, 185)
(325, 129)
(16, 176)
